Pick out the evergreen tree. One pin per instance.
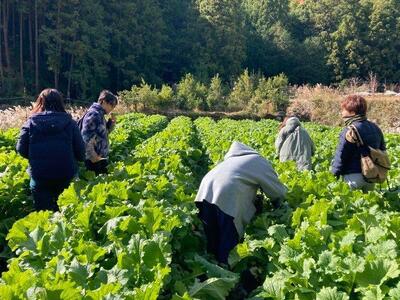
(223, 37)
(384, 39)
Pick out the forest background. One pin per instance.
(255, 56)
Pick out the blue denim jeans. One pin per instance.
(357, 181)
(45, 193)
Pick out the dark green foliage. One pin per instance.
(85, 46)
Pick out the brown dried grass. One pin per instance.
(322, 105)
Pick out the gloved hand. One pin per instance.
(279, 204)
(258, 203)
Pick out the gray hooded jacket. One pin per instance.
(294, 143)
(232, 184)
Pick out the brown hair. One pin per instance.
(354, 103)
(108, 97)
(49, 99)
(283, 124)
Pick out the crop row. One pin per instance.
(329, 242)
(58, 253)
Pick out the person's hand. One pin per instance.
(276, 203)
(258, 203)
(96, 159)
(111, 122)
(113, 117)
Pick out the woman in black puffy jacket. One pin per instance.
(51, 141)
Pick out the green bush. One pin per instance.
(144, 95)
(252, 93)
(242, 92)
(273, 92)
(166, 97)
(191, 94)
(130, 97)
(216, 96)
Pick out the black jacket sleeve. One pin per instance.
(78, 144)
(23, 141)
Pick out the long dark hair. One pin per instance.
(49, 99)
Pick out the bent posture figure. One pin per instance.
(52, 143)
(294, 143)
(226, 197)
(347, 161)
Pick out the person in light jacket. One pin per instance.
(51, 141)
(294, 143)
(347, 161)
(227, 193)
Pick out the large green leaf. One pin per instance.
(328, 293)
(377, 272)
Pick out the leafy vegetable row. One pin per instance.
(70, 239)
(330, 242)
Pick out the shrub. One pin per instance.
(143, 95)
(277, 90)
(242, 92)
(270, 96)
(166, 97)
(191, 93)
(216, 98)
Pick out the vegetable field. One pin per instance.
(134, 234)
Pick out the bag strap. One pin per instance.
(360, 141)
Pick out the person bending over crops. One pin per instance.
(347, 160)
(95, 130)
(294, 143)
(51, 141)
(227, 193)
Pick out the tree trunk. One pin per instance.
(13, 25)
(36, 49)
(30, 38)
(21, 47)
(119, 68)
(1, 53)
(58, 47)
(5, 32)
(69, 77)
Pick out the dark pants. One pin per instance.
(99, 167)
(45, 193)
(220, 230)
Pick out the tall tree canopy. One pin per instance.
(84, 46)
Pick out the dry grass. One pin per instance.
(15, 116)
(322, 105)
(318, 104)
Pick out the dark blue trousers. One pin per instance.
(45, 193)
(99, 167)
(220, 230)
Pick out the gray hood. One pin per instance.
(292, 123)
(239, 149)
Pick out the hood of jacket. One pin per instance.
(292, 123)
(50, 122)
(239, 149)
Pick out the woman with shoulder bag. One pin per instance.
(347, 161)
